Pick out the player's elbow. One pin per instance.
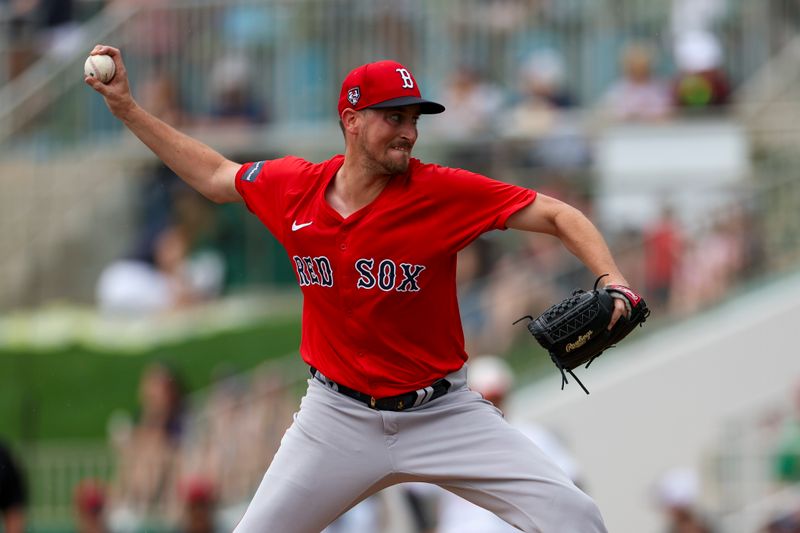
(560, 219)
(568, 214)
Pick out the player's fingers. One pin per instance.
(104, 49)
(96, 84)
(619, 311)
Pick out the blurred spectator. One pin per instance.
(219, 448)
(397, 21)
(61, 33)
(23, 28)
(233, 101)
(491, 376)
(90, 502)
(148, 452)
(13, 493)
(543, 75)
(268, 409)
(701, 82)
(662, 250)
(542, 95)
(638, 95)
(173, 263)
(677, 493)
(231, 439)
(174, 280)
(199, 501)
(498, 23)
(154, 30)
(472, 106)
(160, 94)
(711, 263)
(555, 138)
(39, 27)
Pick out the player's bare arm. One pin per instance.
(577, 233)
(197, 164)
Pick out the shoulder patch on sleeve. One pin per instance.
(253, 171)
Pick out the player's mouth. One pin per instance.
(405, 148)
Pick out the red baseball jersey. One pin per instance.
(380, 313)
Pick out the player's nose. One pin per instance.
(409, 133)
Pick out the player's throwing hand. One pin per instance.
(117, 92)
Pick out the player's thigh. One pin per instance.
(329, 459)
(479, 456)
(462, 435)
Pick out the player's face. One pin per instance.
(388, 137)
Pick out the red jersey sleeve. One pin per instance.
(263, 186)
(476, 204)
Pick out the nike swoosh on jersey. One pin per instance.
(296, 226)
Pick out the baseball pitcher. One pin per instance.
(373, 236)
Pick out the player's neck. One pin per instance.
(354, 187)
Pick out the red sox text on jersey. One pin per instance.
(388, 275)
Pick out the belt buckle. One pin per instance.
(372, 401)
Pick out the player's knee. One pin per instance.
(583, 511)
(569, 510)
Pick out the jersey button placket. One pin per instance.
(346, 299)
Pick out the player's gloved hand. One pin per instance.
(578, 329)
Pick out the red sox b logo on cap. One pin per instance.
(353, 95)
(408, 81)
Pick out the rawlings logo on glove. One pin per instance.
(575, 330)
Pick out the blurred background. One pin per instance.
(148, 338)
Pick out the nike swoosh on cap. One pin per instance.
(296, 226)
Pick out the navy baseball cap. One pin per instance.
(383, 84)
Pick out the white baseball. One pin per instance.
(100, 66)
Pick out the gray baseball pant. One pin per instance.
(338, 451)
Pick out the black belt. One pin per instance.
(390, 403)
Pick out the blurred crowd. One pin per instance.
(36, 28)
(682, 69)
(174, 260)
(55, 30)
(186, 464)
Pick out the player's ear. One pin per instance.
(350, 120)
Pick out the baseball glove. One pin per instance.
(575, 331)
